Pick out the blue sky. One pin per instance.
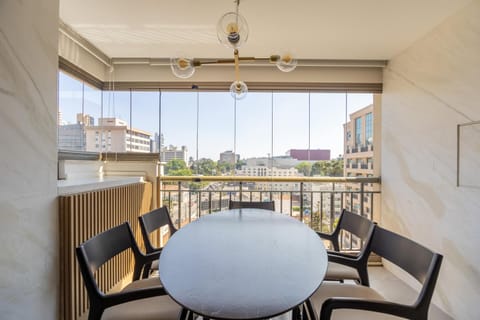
(216, 118)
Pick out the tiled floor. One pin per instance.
(394, 289)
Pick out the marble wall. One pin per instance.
(28, 160)
(428, 90)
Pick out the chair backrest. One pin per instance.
(95, 252)
(153, 221)
(355, 224)
(267, 205)
(420, 262)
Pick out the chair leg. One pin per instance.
(310, 310)
(184, 314)
(296, 314)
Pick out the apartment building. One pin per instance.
(361, 154)
(114, 135)
(173, 152)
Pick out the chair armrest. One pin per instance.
(347, 261)
(327, 236)
(122, 297)
(341, 254)
(392, 308)
(146, 258)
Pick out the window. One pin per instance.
(358, 131)
(262, 125)
(369, 128)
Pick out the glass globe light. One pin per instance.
(238, 90)
(232, 30)
(182, 67)
(286, 63)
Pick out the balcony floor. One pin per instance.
(394, 289)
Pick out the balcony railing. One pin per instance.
(317, 202)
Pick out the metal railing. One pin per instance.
(316, 201)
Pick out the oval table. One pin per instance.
(243, 264)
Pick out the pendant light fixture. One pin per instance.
(232, 31)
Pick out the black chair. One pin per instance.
(141, 299)
(150, 222)
(267, 205)
(343, 266)
(366, 303)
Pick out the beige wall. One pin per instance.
(28, 161)
(428, 90)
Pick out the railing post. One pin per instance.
(189, 206)
(362, 194)
(179, 204)
(241, 190)
(301, 201)
(209, 202)
(332, 206)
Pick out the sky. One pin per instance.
(262, 124)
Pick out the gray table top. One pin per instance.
(243, 264)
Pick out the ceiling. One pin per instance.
(310, 29)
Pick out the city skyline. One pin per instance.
(249, 136)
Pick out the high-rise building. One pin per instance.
(114, 135)
(229, 157)
(172, 152)
(85, 119)
(361, 155)
(72, 137)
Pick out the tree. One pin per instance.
(305, 168)
(177, 167)
(205, 167)
(224, 167)
(317, 168)
(239, 164)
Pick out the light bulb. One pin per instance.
(182, 67)
(286, 63)
(232, 30)
(238, 90)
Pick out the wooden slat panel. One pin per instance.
(84, 215)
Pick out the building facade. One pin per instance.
(309, 154)
(361, 155)
(114, 135)
(173, 152)
(229, 157)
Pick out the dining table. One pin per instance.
(243, 264)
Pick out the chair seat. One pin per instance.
(329, 290)
(143, 283)
(337, 271)
(154, 265)
(155, 308)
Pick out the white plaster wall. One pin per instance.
(428, 90)
(28, 160)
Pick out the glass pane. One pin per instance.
(92, 109)
(327, 119)
(254, 125)
(145, 117)
(179, 123)
(216, 125)
(290, 124)
(70, 132)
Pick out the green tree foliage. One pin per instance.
(305, 168)
(239, 164)
(204, 167)
(328, 168)
(224, 167)
(177, 167)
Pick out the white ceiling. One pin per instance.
(311, 29)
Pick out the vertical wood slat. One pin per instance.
(84, 215)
